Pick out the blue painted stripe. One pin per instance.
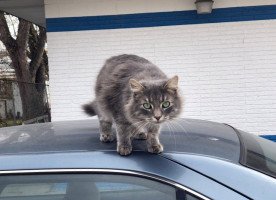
(269, 137)
(235, 14)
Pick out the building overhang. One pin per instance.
(30, 10)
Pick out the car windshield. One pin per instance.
(258, 153)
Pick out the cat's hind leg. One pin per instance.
(105, 119)
(140, 135)
(106, 134)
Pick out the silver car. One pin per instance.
(201, 160)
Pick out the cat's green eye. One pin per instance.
(147, 106)
(166, 104)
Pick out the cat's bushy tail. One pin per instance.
(90, 108)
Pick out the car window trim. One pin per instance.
(106, 171)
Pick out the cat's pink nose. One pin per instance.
(157, 117)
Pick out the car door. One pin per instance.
(139, 164)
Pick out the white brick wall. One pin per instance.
(227, 70)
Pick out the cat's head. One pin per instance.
(154, 101)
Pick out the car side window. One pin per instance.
(87, 187)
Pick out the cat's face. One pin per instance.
(154, 102)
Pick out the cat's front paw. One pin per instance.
(124, 150)
(140, 136)
(155, 148)
(106, 138)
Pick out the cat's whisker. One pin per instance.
(186, 121)
(138, 122)
(167, 124)
(130, 116)
(180, 126)
(139, 127)
(171, 132)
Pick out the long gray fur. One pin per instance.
(123, 85)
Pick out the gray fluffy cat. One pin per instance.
(137, 96)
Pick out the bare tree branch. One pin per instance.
(33, 38)
(37, 51)
(23, 34)
(5, 35)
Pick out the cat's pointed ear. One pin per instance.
(135, 86)
(172, 84)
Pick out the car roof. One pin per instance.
(187, 136)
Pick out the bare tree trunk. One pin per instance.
(32, 101)
(31, 94)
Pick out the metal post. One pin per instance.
(14, 117)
